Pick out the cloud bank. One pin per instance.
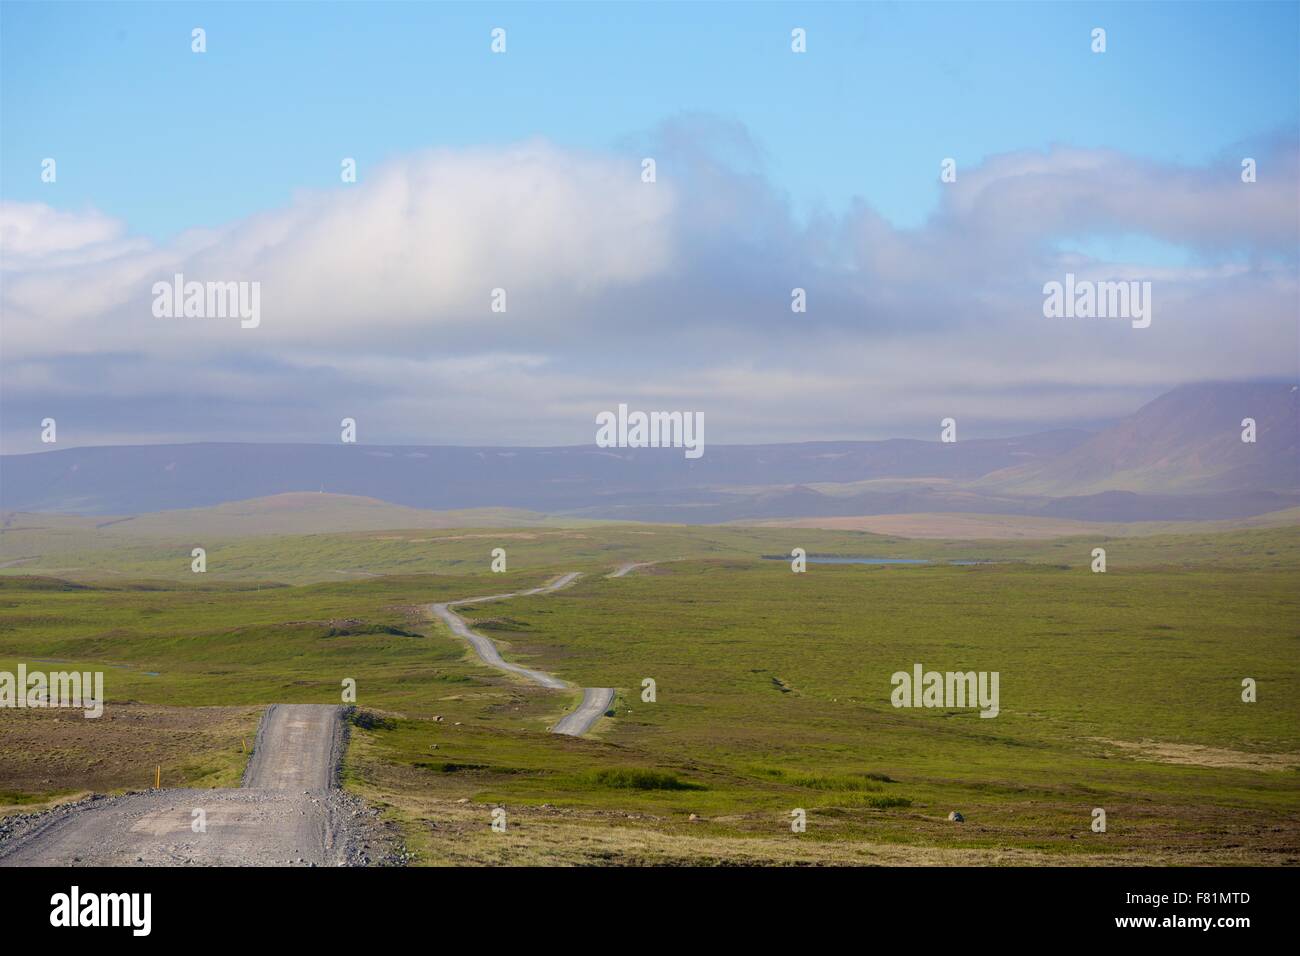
(377, 301)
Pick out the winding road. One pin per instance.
(288, 809)
(624, 569)
(595, 700)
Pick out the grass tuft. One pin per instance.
(633, 778)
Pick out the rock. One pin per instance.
(694, 818)
(956, 817)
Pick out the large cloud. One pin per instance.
(375, 300)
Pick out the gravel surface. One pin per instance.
(595, 700)
(289, 812)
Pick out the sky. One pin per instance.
(522, 170)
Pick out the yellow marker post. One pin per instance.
(157, 778)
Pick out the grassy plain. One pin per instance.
(1120, 691)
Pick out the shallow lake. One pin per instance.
(837, 559)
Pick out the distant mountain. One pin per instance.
(1187, 441)
(1178, 458)
(125, 480)
(711, 507)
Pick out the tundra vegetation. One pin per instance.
(1119, 690)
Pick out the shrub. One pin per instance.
(633, 778)
(813, 781)
(367, 720)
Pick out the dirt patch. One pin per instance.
(1199, 756)
(451, 833)
(955, 527)
(45, 754)
(510, 535)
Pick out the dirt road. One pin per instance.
(595, 700)
(299, 747)
(288, 812)
(624, 569)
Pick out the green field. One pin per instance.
(1119, 691)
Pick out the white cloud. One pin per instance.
(33, 232)
(375, 300)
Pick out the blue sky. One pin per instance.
(776, 171)
(149, 133)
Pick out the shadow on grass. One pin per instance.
(625, 778)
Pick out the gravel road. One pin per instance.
(595, 700)
(289, 812)
(299, 747)
(624, 569)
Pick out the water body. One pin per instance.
(836, 559)
(64, 660)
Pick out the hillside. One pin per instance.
(290, 513)
(1178, 458)
(125, 480)
(1187, 441)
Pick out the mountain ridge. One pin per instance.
(1188, 440)
(1179, 457)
